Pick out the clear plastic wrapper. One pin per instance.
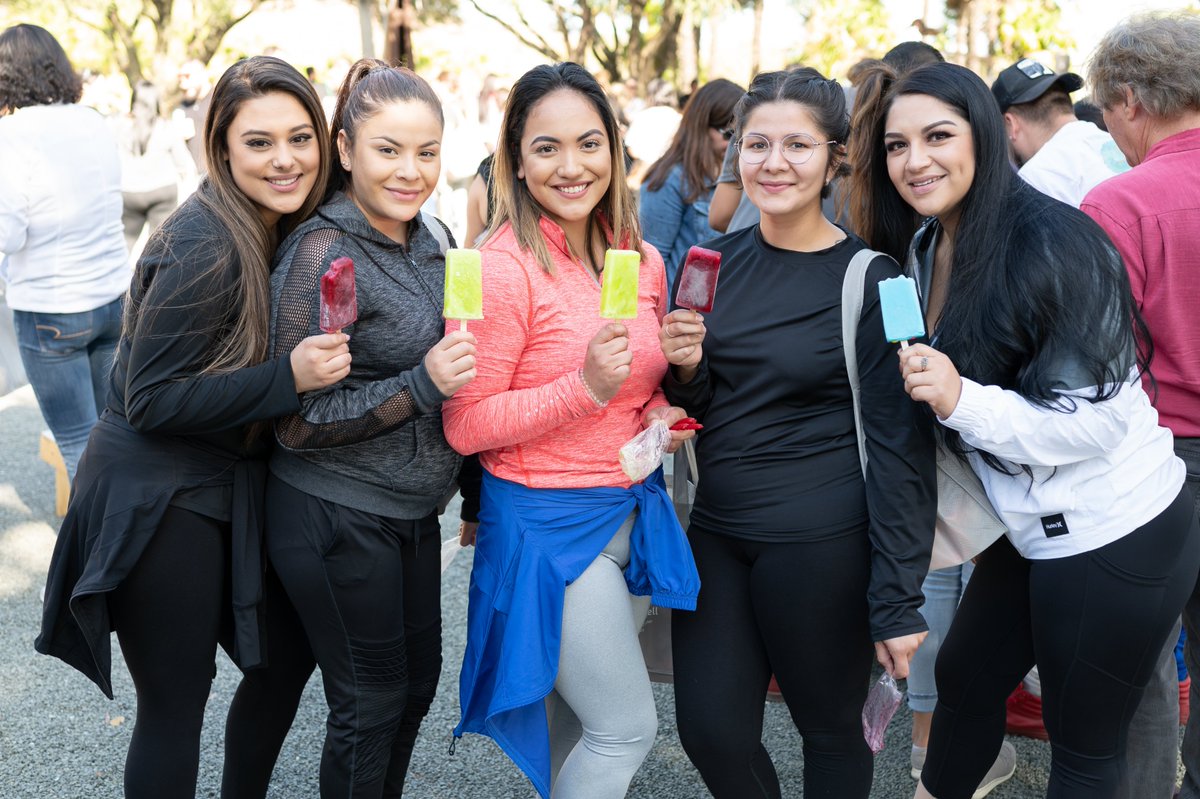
(881, 705)
(643, 453)
(450, 548)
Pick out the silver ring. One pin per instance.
(924, 362)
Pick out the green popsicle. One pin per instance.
(463, 296)
(619, 290)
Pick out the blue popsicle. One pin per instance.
(902, 318)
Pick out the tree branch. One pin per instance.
(540, 46)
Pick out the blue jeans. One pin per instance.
(943, 589)
(67, 358)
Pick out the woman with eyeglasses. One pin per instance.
(677, 189)
(807, 568)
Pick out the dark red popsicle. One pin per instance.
(339, 302)
(698, 283)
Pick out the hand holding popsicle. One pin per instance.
(451, 362)
(930, 376)
(681, 338)
(320, 361)
(606, 365)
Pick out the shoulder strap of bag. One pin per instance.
(852, 304)
(438, 230)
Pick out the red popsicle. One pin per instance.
(339, 302)
(698, 283)
(687, 423)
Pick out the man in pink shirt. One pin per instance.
(1145, 75)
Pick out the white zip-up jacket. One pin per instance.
(1099, 471)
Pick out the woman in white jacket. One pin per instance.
(1034, 374)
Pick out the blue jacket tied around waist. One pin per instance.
(532, 544)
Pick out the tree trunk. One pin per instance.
(756, 45)
(127, 53)
(633, 47)
(686, 46)
(366, 27)
(714, 47)
(401, 21)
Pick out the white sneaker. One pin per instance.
(1000, 772)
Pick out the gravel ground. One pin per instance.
(61, 739)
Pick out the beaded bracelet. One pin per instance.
(589, 391)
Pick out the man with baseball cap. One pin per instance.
(1058, 154)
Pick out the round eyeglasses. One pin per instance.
(797, 148)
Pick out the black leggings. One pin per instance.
(798, 610)
(266, 701)
(1094, 624)
(169, 613)
(367, 590)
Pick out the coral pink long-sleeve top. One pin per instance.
(527, 413)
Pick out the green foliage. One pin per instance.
(839, 33)
(1029, 26)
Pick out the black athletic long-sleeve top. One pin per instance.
(778, 455)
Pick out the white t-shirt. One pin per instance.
(1076, 158)
(60, 210)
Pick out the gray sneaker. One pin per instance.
(1001, 771)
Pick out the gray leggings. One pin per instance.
(601, 711)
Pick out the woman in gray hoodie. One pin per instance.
(356, 481)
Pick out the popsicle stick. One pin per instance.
(462, 325)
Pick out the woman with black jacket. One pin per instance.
(162, 538)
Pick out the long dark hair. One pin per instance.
(250, 243)
(35, 70)
(710, 107)
(370, 84)
(1038, 299)
(514, 203)
(824, 100)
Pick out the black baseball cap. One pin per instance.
(1027, 80)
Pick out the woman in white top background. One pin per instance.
(64, 258)
(156, 168)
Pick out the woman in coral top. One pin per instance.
(569, 552)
